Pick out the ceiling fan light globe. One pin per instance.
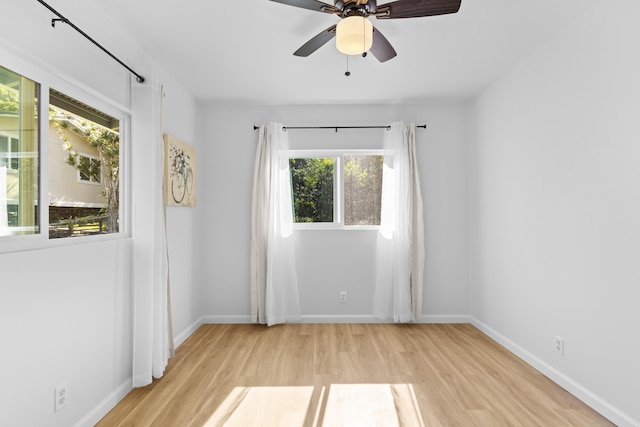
(354, 35)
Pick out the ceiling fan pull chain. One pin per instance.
(347, 73)
(364, 41)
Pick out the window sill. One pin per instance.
(13, 244)
(334, 227)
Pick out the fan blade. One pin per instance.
(317, 42)
(381, 48)
(318, 6)
(417, 8)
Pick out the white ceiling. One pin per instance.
(242, 50)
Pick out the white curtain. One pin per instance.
(274, 283)
(400, 245)
(152, 330)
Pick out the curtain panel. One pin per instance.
(152, 329)
(274, 282)
(400, 247)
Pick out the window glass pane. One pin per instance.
(84, 165)
(362, 189)
(312, 187)
(18, 154)
(95, 171)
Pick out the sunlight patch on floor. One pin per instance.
(350, 405)
(388, 405)
(262, 407)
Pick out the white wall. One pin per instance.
(336, 260)
(555, 209)
(65, 317)
(65, 311)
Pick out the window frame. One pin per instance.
(338, 186)
(48, 79)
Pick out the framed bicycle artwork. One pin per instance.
(179, 172)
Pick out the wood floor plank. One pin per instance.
(459, 376)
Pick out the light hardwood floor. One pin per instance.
(460, 376)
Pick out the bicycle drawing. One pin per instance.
(180, 173)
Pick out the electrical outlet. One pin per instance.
(343, 296)
(559, 345)
(61, 396)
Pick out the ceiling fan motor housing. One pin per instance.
(355, 7)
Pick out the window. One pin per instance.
(362, 175)
(71, 185)
(312, 185)
(18, 154)
(337, 188)
(84, 148)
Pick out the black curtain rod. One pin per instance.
(62, 19)
(387, 127)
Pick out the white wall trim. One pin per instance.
(370, 318)
(597, 403)
(445, 318)
(106, 405)
(323, 318)
(237, 318)
(336, 318)
(182, 337)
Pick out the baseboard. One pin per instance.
(362, 318)
(327, 318)
(445, 318)
(231, 319)
(336, 318)
(598, 404)
(319, 318)
(92, 418)
(186, 333)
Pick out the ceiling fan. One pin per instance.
(355, 33)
